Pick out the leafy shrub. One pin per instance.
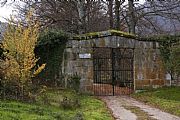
(79, 116)
(45, 99)
(170, 50)
(68, 103)
(19, 63)
(1, 53)
(50, 49)
(58, 116)
(74, 82)
(37, 110)
(39, 91)
(9, 90)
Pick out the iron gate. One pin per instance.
(113, 71)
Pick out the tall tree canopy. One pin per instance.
(81, 16)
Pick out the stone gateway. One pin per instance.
(113, 63)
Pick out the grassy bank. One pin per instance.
(49, 107)
(167, 99)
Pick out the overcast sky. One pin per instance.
(5, 11)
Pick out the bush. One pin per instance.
(50, 49)
(19, 63)
(58, 116)
(73, 82)
(68, 103)
(45, 99)
(79, 116)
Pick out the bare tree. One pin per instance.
(153, 14)
(80, 16)
(110, 11)
(118, 3)
(76, 16)
(131, 16)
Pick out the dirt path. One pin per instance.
(126, 108)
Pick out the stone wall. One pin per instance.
(149, 70)
(147, 61)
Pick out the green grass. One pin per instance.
(91, 108)
(167, 99)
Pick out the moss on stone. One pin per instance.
(103, 34)
(122, 34)
(161, 38)
(157, 38)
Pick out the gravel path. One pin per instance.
(126, 108)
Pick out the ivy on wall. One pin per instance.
(53, 42)
(50, 51)
(170, 52)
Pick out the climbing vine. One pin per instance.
(170, 51)
(50, 51)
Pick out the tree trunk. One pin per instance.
(82, 18)
(131, 17)
(88, 15)
(110, 10)
(117, 11)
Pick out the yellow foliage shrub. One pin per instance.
(19, 42)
